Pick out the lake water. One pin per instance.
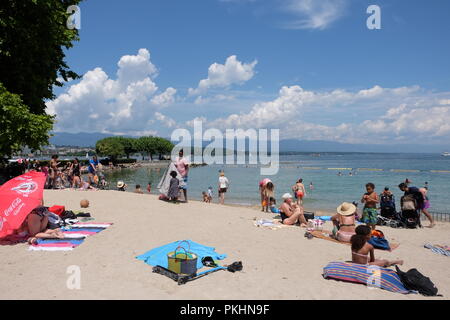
(330, 189)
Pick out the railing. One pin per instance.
(438, 216)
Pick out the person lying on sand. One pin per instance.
(344, 222)
(363, 252)
(291, 213)
(35, 227)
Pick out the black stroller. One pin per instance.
(388, 214)
(387, 205)
(410, 214)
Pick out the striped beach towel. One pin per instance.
(73, 237)
(372, 276)
(444, 250)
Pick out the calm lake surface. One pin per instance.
(330, 189)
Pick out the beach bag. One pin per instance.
(315, 224)
(58, 210)
(182, 261)
(308, 215)
(408, 203)
(414, 280)
(54, 221)
(379, 243)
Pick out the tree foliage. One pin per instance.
(33, 36)
(110, 147)
(19, 127)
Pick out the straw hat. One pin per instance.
(120, 184)
(346, 209)
(286, 196)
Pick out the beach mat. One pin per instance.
(374, 277)
(73, 238)
(326, 235)
(443, 250)
(158, 256)
(273, 224)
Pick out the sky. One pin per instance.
(311, 68)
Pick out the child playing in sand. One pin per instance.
(210, 194)
(273, 206)
(138, 189)
(363, 252)
(205, 197)
(174, 187)
(370, 200)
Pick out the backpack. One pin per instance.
(414, 280)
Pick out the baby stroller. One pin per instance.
(410, 214)
(387, 205)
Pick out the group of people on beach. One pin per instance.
(344, 221)
(69, 175)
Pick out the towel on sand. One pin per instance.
(371, 276)
(72, 238)
(444, 250)
(158, 256)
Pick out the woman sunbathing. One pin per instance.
(344, 222)
(363, 252)
(35, 227)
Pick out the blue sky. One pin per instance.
(311, 68)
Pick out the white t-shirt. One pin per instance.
(223, 182)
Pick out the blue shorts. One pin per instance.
(185, 180)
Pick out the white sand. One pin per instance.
(278, 264)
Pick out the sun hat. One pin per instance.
(346, 209)
(120, 184)
(286, 196)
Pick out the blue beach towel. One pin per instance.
(46, 241)
(158, 256)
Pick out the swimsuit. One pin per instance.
(362, 255)
(370, 216)
(344, 236)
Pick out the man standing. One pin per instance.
(182, 165)
(419, 200)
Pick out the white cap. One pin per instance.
(286, 196)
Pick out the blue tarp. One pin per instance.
(158, 256)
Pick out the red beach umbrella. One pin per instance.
(18, 197)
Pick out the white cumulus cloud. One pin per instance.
(98, 103)
(224, 75)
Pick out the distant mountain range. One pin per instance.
(84, 139)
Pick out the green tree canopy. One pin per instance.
(129, 145)
(19, 127)
(110, 147)
(33, 36)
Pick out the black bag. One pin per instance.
(68, 214)
(308, 215)
(414, 280)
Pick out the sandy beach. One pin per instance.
(278, 264)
